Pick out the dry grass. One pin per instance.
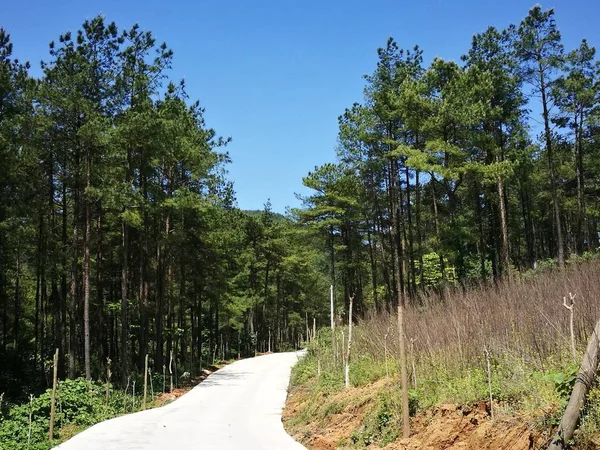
(523, 320)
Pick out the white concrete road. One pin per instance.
(237, 407)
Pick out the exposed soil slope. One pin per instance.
(446, 427)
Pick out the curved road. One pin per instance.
(237, 407)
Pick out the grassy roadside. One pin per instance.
(81, 404)
(523, 325)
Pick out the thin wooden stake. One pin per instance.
(347, 369)
(387, 372)
(53, 398)
(332, 309)
(489, 374)
(403, 376)
(133, 395)
(108, 374)
(145, 382)
(126, 389)
(30, 415)
(572, 328)
(171, 369)
(412, 360)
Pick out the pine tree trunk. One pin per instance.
(86, 277)
(553, 190)
(583, 240)
(124, 306)
(503, 230)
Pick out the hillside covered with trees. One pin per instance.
(119, 234)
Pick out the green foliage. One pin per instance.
(79, 404)
(586, 439)
(431, 273)
(380, 425)
(563, 381)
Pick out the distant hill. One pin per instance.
(258, 212)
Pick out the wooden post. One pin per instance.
(53, 398)
(347, 368)
(583, 382)
(145, 382)
(403, 375)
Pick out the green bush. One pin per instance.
(79, 404)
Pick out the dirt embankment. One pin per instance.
(446, 427)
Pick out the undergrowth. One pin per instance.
(79, 404)
(522, 324)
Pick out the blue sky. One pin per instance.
(275, 75)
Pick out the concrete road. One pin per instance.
(238, 407)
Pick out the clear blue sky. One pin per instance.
(275, 75)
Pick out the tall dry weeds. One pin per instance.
(524, 319)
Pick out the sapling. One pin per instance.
(108, 374)
(53, 397)
(133, 396)
(412, 360)
(572, 328)
(171, 368)
(164, 377)
(489, 374)
(151, 385)
(347, 368)
(145, 381)
(343, 347)
(125, 397)
(30, 414)
(387, 373)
